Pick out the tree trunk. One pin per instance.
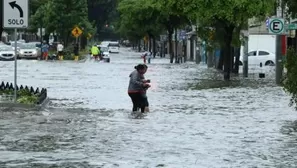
(232, 58)
(154, 47)
(150, 44)
(227, 60)
(237, 55)
(175, 46)
(46, 37)
(84, 41)
(170, 46)
(139, 45)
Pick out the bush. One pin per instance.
(23, 96)
(69, 55)
(290, 81)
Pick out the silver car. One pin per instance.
(6, 53)
(28, 50)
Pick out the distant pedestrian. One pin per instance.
(76, 51)
(60, 49)
(44, 50)
(149, 57)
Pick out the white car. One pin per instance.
(7, 53)
(12, 44)
(255, 57)
(28, 50)
(114, 47)
(105, 51)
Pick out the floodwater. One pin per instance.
(192, 123)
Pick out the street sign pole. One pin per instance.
(15, 64)
(277, 27)
(278, 59)
(15, 16)
(278, 49)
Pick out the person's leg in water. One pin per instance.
(145, 102)
(135, 101)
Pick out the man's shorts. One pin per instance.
(45, 54)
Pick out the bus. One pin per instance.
(114, 47)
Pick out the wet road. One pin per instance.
(87, 123)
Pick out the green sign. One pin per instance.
(292, 26)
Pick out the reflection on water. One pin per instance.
(193, 123)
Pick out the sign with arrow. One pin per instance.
(76, 32)
(15, 13)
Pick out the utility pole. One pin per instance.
(278, 48)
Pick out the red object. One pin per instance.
(284, 45)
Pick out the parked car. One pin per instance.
(255, 57)
(29, 51)
(12, 44)
(114, 47)
(105, 51)
(7, 53)
(37, 43)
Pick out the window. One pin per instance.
(113, 45)
(263, 53)
(252, 53)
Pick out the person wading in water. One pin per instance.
(137, 88)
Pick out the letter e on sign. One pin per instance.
(276, 26)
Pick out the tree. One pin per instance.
(172, 15)
(290, 81)
(62, 16)
(227, 16)
(292, 7)
(101, 12)
(137, 19)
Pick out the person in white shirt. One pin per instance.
(60, 49)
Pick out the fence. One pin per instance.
(41, 94)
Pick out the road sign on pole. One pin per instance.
(15, 13)
(16, 16)
(76, 32)
(276, 26)
(292, 26)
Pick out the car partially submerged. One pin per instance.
(105, 53)
(7, 53)
(28, 51)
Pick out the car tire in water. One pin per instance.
(269, 63)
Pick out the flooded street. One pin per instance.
(87, 123)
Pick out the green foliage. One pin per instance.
(24, 96)
(292, 7)
(62, 16)
(150, 17)
(290, 82)
(102, 12)
(137, 19)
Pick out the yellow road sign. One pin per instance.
(76, 32)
